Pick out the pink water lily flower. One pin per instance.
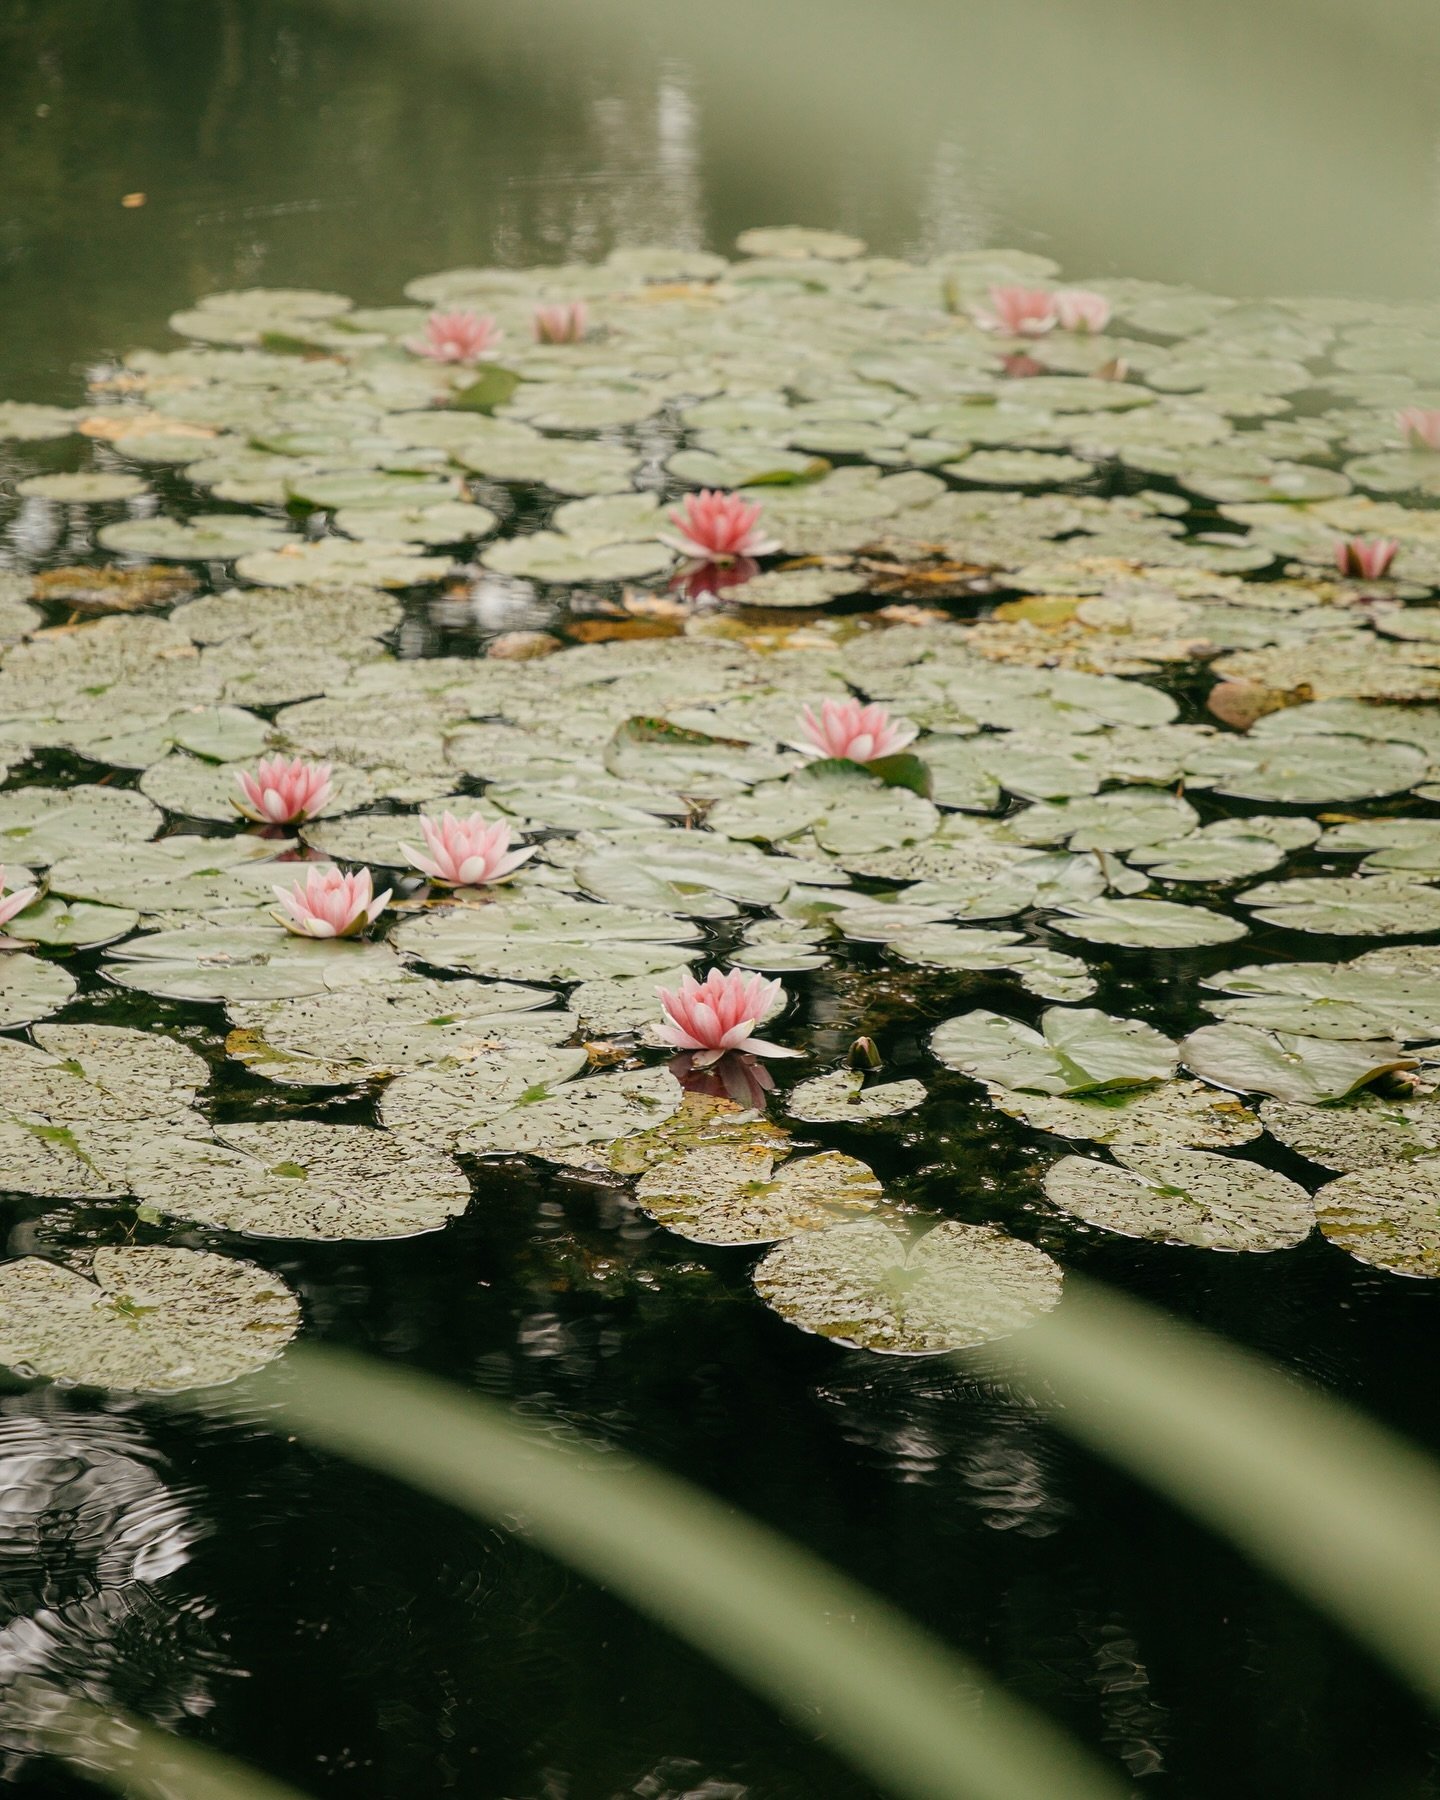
(719, 1014)
(1020, 311)
(563, 323)
(467, 852)
(284, 791)
(14, 902)
(457, 337)
(1365, 558)
(330, 904)
(1420, 426)
(1080, 309)
(713, 526)
(855, 733)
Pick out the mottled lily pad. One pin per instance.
(1184, 1197)
(150, 1320)
(734, 1194)
(31, 988)
(861, 1285)
(295, 1179)
(1386, 1217)
(843, 1098)
(1176, 1115)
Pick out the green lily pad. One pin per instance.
(1290, 1067)
(294, 1179)
(1308, 769)
(1176, 1115)
(246, 962)
(862, 1285)
(80, 926)
(552, 939)
(39, 825)
(798, 241)
(1388, 1218)
(550, 556)
(1367, 1131)
(151, 1320)
(1188, 1197)
(88, 487)
(1076, 1051)
(733, 1194)
(207, 537)
(361, 1033)
(1118, 821)
(176, 874)
(342, 562)
(1048, 973)
(1147, 924)
(1347, 906)
(31, 988)
(843, 1098)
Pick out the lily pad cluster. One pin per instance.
(1159, 726)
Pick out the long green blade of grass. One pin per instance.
(130, 1757)
(919, 1720)
(1338, 1507)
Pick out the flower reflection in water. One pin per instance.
(734, 1076)
(697, 581)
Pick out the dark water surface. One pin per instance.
(329, 1626)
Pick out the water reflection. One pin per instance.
(92, 1534)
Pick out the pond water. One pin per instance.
(1049, 570)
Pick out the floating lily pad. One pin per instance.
(1020, 468)
(734, 1194)
(38, 825)
(553, 939)
(861, 1285)
(31, 988)
(63, 925)
(299, 1180)
(1048, 973)
(1290, 1067)
(550, 556)
(1368, 1131)
(1176, 1115)
(33, 424)
(843, 1098)
(1184, 1197)
(1147, 924)
(246, 962)
(149, 1320)
(1077, 1050)
(360, 1033)
(1386, 1217)
(798, 241)
(1308, 769)
(176, 874)
(1347, 906)
(207, 537)
(342, 562)
(89, 487)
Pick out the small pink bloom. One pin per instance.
(717, 527)
(856, 733)
(457, 337)
(719, 1014)
(284, 792)
(560, 324)
(1079, 309)
(1420, 426)
(467, 852)
(329, 904)
(1365, 558)
(1020, 311)
(15, 902)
